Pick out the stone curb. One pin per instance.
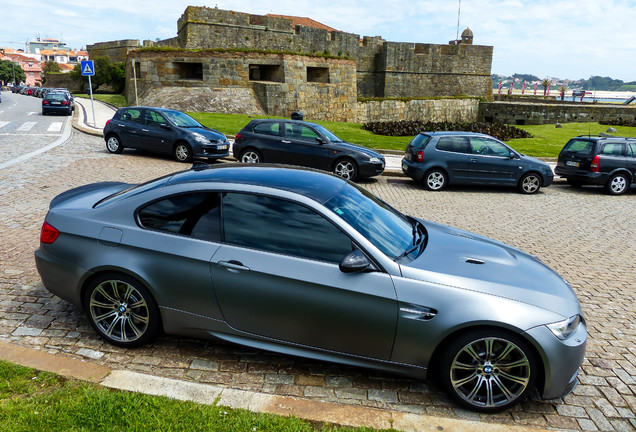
(341, 414)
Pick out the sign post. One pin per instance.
(88, 69)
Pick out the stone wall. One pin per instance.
(434, 110)
(116, 50)
(324, 89)
(384, 69)
(521, 113)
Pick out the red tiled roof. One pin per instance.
(308, 22)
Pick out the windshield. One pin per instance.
(328, 134)
(389, 230)
(181, 119)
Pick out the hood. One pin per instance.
(361, 149)
(208, 133)
(469, 261)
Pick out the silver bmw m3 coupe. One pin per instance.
(304, 263)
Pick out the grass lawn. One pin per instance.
(40, 401)
(112, 99)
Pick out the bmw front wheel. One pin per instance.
(121, 310)
(488, 370)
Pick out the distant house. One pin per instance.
(29, 63)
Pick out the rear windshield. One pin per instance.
(582, 147)
(419, 141)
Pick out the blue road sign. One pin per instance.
(88, 68)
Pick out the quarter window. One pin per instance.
(614, 149)
(193, 214)
(282, 227)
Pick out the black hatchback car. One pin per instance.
(58, 102)
(302, 143)
(599, 160)
(437, 159)
(163, 130)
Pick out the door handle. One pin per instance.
(286, 142)
(473, 160)
(233, 265)
(144, 130)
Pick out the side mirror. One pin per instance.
(321, 141)
(356, 261)
(165, 126)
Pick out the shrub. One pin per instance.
(407, 128)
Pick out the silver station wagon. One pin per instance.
(305, 263)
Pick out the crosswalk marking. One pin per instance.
(3, 124)
(27, 126)
(55, 127)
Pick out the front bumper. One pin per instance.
(371, 169)
(561, 359)
(211, 151)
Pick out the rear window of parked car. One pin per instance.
(267, 128)
(579, 146)
(454, 144)
(419, 141)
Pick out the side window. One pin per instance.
(631, 146)
(298, 131)
(194, 214)
(132, 115)
(453, 144)
(153, 118)
(488, 147)
(614, 149)
(268, 128)
(282, 227)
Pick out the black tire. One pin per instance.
(113, 144)
(488, 370)
(617, 184)
(346, 168)
(121, 310)
(435, 180)
(530, 183)
(182, 152)
(251, 156)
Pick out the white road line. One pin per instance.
(27, 126)
(33, 113)
(3, 124)
(55, 127)
(61, 140)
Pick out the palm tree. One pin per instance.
(545, 83)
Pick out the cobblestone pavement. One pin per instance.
(588, 237)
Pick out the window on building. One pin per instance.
(318, 74)
(189, 71)
(266, 73)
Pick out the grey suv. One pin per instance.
(437, 159)
(599, 160)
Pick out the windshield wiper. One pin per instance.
(418, 239)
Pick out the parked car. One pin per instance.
(437, 159)
(164, 130)
(599, 160)
(302, 262)
(302, 143)
(57, 102)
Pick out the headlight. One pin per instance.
(563, 329)
(202, 139)
(374, 160)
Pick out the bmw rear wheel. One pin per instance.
(488, 370)
(435, 180)
(530, 183)
(121, 310)
(617, 184)
(182, 152)
(346, 168)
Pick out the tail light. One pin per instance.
(419, 156)
(49, 233)
(238, 136)
(66, 102)
(595, 163)
(107, 121)
(45, 102)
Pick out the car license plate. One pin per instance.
(221, 147)
(572, 163)
(56, 103)
(404, 168)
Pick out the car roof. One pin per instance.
(317, 185)
(303, 122)
(452, 133)
(150, 107)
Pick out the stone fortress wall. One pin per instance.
(273, 67)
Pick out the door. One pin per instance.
(277, 276)
(631, 160)
(129, 127)
(157, 134)
(267, 137)
(492, 162)
(454, 152)
(300, 146)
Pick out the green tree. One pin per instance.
(51, 66)
(112, 74)
(9, 70)
(545, 83)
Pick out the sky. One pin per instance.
(567, 39)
